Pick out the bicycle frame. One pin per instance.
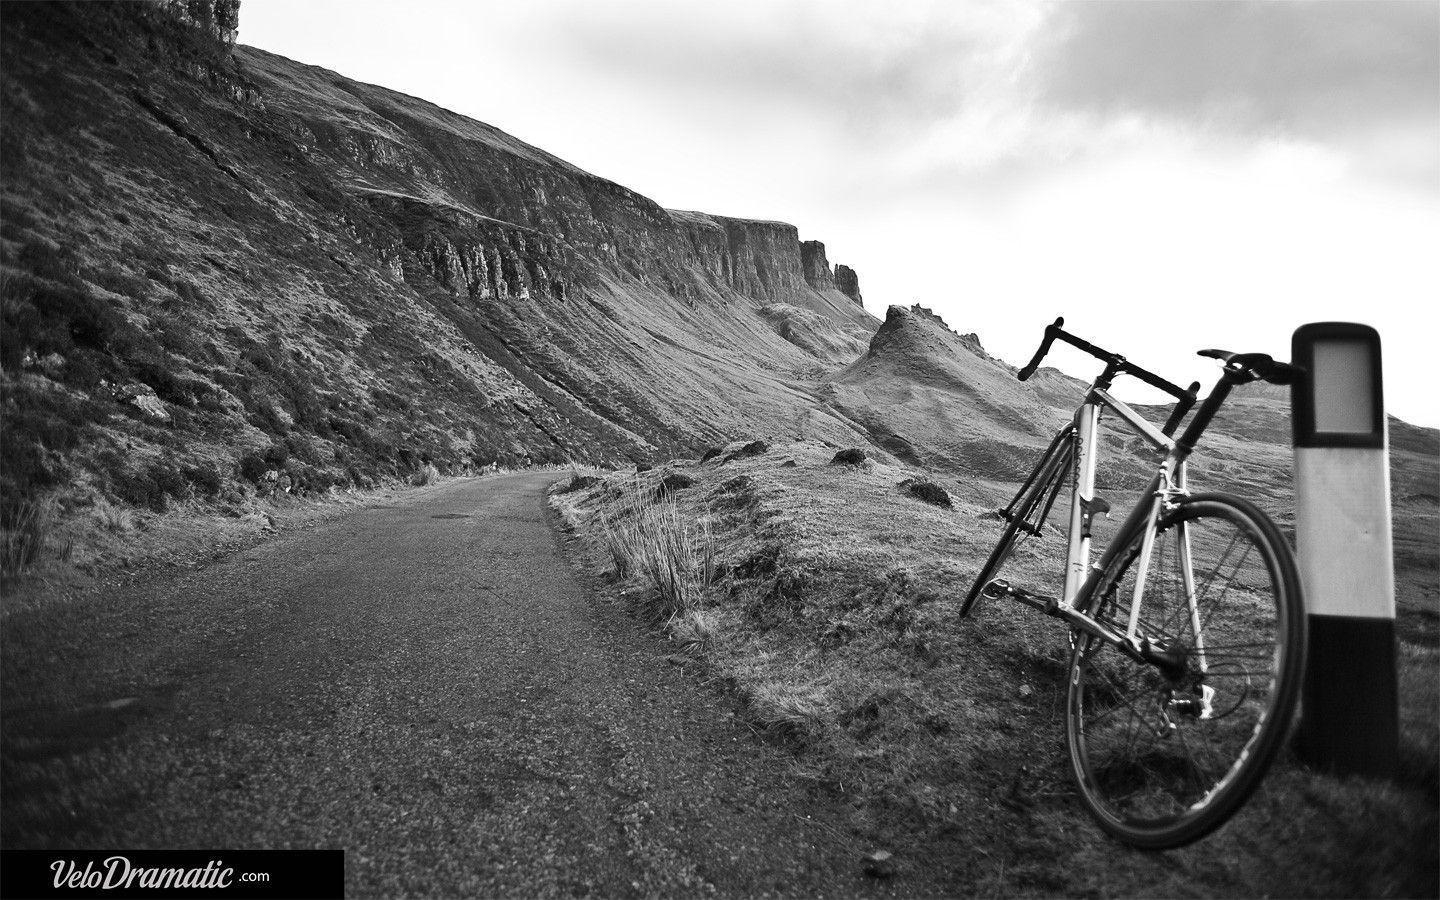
(1081, 578)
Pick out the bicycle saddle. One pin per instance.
(1257, 365)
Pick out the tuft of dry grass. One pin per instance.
(24, 532)
(112, 518)
(800, 707)
(654, 541)
(696, 629)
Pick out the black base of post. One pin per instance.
(1350, 723)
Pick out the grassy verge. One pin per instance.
(829, 607)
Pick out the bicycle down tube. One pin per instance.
(1080, 576)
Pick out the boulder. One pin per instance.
(928, 491)
(672, 482)
(144, 398)
(754, 448)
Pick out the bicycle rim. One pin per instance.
(1163, 758)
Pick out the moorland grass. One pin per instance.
(832, 616)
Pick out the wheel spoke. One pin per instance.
(1136, 729)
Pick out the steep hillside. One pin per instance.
(932, 397)
(226, 272)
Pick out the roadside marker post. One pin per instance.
(1350, 718)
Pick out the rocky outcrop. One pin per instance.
(219, 19)
(848, 283)
(815, 266)
(761, 260)
(474, 255)
(918, 331)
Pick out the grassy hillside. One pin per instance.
(935, 399)
(825, 596)
(224, 274)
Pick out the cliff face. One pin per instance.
(217, 19)
(848, 283)
(226, 271)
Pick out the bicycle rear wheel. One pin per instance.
(1164, 756)
(1026, 514)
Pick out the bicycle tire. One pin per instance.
(1136, 784)
(1039, 492)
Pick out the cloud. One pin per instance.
(1364, 77)
(864, 73)
(935, 101)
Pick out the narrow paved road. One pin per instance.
(429, 685)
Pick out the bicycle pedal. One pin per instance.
(996, 589)
(1045, 604)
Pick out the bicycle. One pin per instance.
(1187, 637)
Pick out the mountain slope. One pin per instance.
(226, 271)
(934, 398)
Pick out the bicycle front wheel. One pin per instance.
(1026, 513)
(1165, 753)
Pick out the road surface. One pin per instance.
(430, 684)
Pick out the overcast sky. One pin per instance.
(1168, 176)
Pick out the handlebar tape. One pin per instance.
(1051, 331)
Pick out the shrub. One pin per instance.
(51, 317)
(206, 480)
(153, 486)
(426, 474)
(40, 426)
(254, 465)
(852, 457)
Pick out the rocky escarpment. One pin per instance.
(217, 19)
(848, 283)
(309, 281)
(816, 266)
